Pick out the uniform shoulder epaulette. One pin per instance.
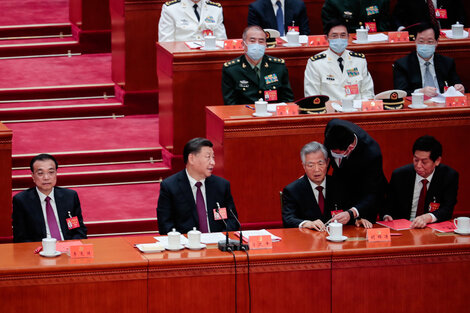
(357, 54)
(168, 3)
(214, 3)
(318, 57)
(232, 62)
(276, 60)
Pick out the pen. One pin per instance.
(249, 107)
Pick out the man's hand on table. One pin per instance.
(421, 221)
(317, 225)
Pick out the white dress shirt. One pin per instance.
(42, 198)
(192, 183)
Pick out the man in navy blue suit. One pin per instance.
(191, 197)
(279, 14)
(45, 210)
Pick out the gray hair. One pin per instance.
(252, 27)
(310, 147)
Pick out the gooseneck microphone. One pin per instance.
(240, 246)
(227, 244)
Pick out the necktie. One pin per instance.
(428, 81)
(201, 209)
(280, 18)
(196, 12)
(340, 61)
(432, 13)
(422, 198)
(51, 220)
(321, 199)
(256, 69)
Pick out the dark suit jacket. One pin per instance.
(361, 174)
(407, 74)
(261, 13)
(29, 222)
(177, 208)
(299, 203)
(409, 12)
(443, 188)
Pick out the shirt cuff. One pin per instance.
(433, 217)
(301, 225)
(385, 216)
(355, 210)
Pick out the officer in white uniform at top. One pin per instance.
(186, 20)
(337, 72)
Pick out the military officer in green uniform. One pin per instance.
(255, 75)
(372, 14)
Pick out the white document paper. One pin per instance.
(261, 232)
(209, 238)
(302, 38)
(374, 38)
(451, 92)
(200, 44)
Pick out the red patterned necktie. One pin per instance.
(51, 220)
(432, 13)
(201, 209)
(321, 199)
(422, 198)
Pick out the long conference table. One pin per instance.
(260, 156)
(190, 79)
(417, 271)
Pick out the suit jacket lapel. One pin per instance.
(37, 211)
(416, 69)
(409, 189)
(269, 14)
(436, 181)
(61, 210)
(211, 202)
(189, 10)
(439, 74)
(187, 193)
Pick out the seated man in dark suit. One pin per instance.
(45, 210)
(409, 12)
(279, 14)
(357, 164)
(308, 201)
(190, 197)
(425, 191)
(425, 71)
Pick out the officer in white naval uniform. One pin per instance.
(337, 72)
(179, 22)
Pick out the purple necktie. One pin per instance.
(201, 209)
(51, 220)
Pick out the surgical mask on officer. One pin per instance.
(255, 51)
(425, 51)
(338, 45)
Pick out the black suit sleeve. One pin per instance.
(253, 16)
(289, 209)
(303, 20)
(19, 222)
(80, 232)
(164, 212)
(232, 223)
(400, 78)
(286, 94)
(228, 88)
(447, 196)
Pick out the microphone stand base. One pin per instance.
(231, 245)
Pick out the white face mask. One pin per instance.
(337, 155)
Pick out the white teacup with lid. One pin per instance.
(49, 246)
(261, 107)
(174, 238)
(293, 38)
(194, 238)
(210, 42)
(457, 30)
(335, 230)
(362, 34)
